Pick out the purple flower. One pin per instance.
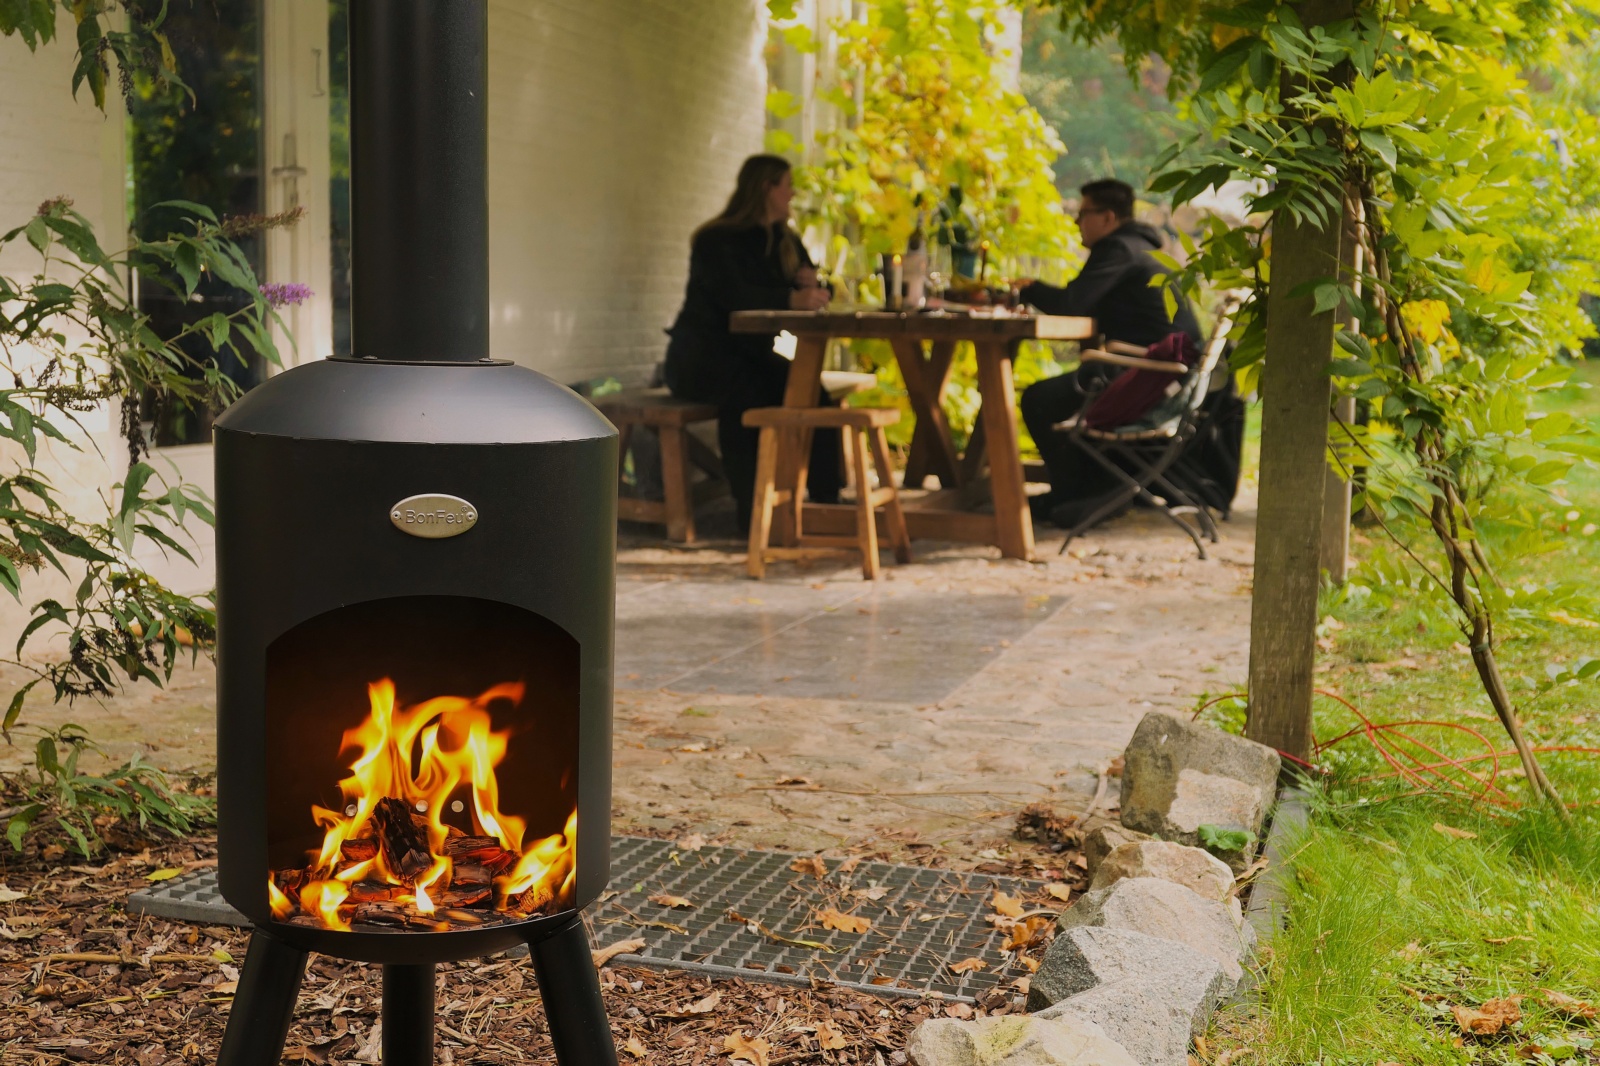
(286, 293)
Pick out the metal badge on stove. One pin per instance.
(433, 516)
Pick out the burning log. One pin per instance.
(356, 851)
(533, 900)
(380, 914)
(458, 847)
(471, 874)
(404, 844)
(375, 892)
(463, 897)
(480, 851)
(290, 882)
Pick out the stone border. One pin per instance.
(1268, 910)
(1160, 943)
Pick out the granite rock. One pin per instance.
(1152, 996)
(1105, 839)
(1015, 1040)
(1086, 957)
(1194, 868)
(1178, 776)
(1162, 909)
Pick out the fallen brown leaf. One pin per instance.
(1009, 906)
(1493, 1016)
(1114, 767)
(671, 901)
(844, 923)
(960, 1011)
(704, 1006)
(611, 951)
(829, 1038)
(1059, 891)
(1452, 831)
(1027, 933)
(1569, 1005)
(692, 842)
(752, 1051)
(794, 781)
(635, 1048)
(810, 864)
(967, 965)
(876, 892)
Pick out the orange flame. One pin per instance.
(450, 742)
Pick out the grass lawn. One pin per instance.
(1408, 912)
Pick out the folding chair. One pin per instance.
(1141, 454)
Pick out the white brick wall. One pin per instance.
(616, 127)
(51, 145)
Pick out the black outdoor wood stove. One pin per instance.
(415, 568)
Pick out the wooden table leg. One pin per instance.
(1014, 524)
(801, 390)
(932, 450)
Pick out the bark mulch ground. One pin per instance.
(83, 981)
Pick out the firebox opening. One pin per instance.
(422, 757)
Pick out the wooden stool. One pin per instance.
(783, 427)
(681, 451)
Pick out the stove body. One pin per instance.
(322, 592)
(415, 567)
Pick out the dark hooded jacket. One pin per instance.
(1114, 289)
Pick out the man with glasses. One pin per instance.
(1114, 289)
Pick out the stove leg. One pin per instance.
(571, 992)
(408, 1015)
(263, 1005)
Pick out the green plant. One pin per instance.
(58, 798)
(1216, 839)
(1473, 205)
(126, 31)
(72, 338)
(938, 140)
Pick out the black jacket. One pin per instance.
(1114, 289)
(730, 269)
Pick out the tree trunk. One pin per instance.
(1296, 393)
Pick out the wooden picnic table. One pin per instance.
(924, 347)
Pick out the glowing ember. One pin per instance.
(389, 858)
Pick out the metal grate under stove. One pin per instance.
(923, 922)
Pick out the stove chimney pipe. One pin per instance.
(419, 180)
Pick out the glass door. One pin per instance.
(205, 148)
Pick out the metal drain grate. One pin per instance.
(192, 897)
(923, 921)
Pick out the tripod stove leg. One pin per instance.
(571, 992)
(408, 1015)
(263, 1006)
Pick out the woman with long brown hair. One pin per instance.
(748, 258)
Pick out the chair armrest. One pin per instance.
(1095, 355)
(1124, 348)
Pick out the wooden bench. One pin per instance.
(681, 452)
(784, 428)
